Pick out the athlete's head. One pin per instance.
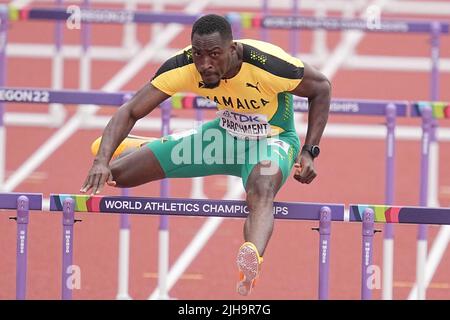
(212, 48)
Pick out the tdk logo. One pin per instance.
(241, 117)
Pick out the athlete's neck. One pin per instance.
(236, 62)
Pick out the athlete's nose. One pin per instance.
(205, 65)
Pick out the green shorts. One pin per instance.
(211, 150)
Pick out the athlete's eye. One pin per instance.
(197, 54)
(214, 54)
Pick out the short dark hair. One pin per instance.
(211, 23)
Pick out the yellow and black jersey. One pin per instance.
(261, 86)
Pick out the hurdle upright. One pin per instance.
(23, 203)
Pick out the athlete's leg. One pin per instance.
(136, 168)
(261, 190)
(262, 182)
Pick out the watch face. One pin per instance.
(315, 150)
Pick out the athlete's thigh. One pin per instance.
(136, 168)
(273, 158)
(196, 152)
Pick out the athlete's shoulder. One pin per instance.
(180, 59)
(271, 58)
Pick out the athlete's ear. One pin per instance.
(233, 47)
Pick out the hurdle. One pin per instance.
(325, 213)
(429, 112)
(366, 214)
(23, 203)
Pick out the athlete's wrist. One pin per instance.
(101, 160)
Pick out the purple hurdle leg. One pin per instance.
(22, 236)
(265, 11)
(429, 125)
(367, 253)
(388, 243)
(294, 33)
(422, 231)
(67, 247)
(435, 48)
(124, 254)
(163, 259)
(324, 251)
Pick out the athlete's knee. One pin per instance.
(118, 172)
(262, 188)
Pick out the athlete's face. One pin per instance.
(212, 57)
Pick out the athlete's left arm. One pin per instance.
(317, 88)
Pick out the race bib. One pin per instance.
(244, 126)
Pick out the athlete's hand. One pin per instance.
(99, 174)
(304, 168)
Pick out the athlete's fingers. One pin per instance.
(87, 185)
(100, 180)
(110, 182)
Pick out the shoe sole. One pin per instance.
(247, 262)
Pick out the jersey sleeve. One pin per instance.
(284, 71)
(175, 75)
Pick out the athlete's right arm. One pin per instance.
(117, 129)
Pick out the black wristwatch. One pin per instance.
(313, 150)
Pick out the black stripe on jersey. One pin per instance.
(177, 61)
(271, 63)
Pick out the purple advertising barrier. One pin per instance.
(192, 207)
(331, 23)
(324, 251)
(397, 214)
(367, 253)
(8, 200)
(112, 16)
(45, 96)
(68, 220)
(22, 237)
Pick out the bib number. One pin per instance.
(244, 126)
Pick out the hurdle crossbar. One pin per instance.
(189, 207)
(244, 19)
